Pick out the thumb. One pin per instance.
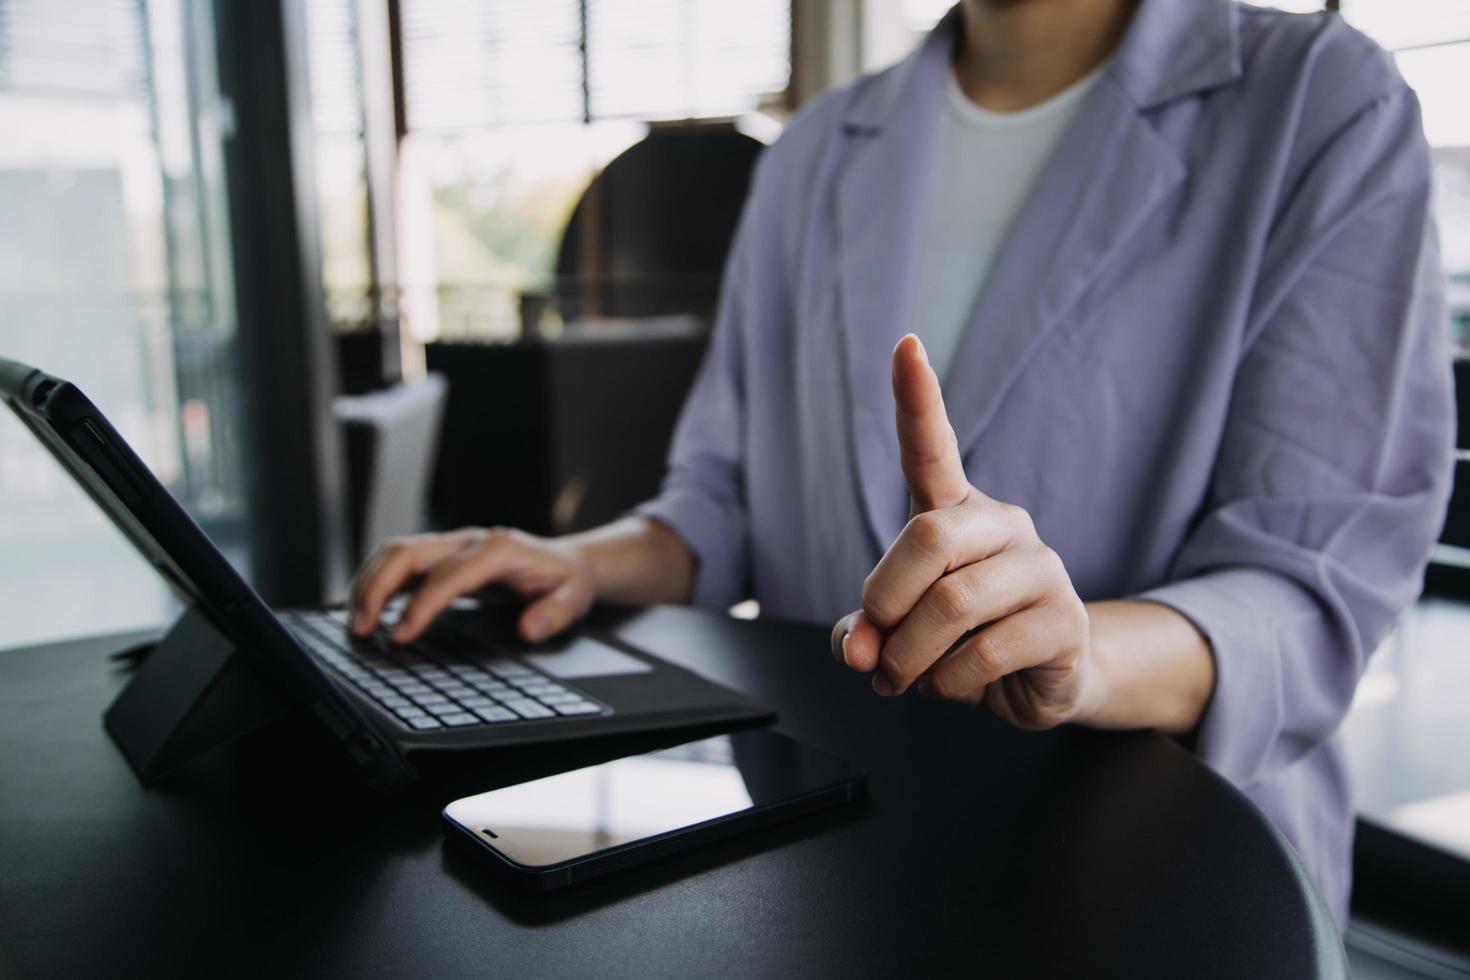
(926, 443)
(554, 611)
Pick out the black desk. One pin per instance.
(982, 850)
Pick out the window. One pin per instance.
(113, 273)
(513, 105)
(1430, 40)
(335, 81)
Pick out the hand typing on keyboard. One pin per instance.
(633, 561)
(441, 567)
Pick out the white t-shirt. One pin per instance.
(984, 166)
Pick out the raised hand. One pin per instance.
(968, 602)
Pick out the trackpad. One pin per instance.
(582, 656)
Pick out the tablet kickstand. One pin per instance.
(190, 695)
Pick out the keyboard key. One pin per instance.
(496, 714)
(422, 724)
(577, 708)
(542, 690)
(476, 701)
(408, 711)
(508, 671)
(527, 708)
(459, 720)
(429, 700)
(490, 686)
(447, 708)
(413, 689)
(392, 700)
(566, 697)
(457, 690)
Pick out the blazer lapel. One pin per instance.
(1109, 173)
(1106, 176)
(879, 200)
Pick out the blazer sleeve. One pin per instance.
(703, 494)
(1335, 457)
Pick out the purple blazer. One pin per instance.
(1211, 361)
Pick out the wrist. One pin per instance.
(585, 554)
(1149, 667)
(1095, 684)
(635, 561)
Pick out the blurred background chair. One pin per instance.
(392, 440)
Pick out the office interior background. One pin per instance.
(476, 246)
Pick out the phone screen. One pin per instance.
(574, 814)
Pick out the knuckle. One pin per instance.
(929, 533)
(988, 654)
(952, 598)
(1018, 517)
(395, 547)
(496, 537)
(1052, 561)
(878, 606)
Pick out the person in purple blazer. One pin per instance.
(1172, 441)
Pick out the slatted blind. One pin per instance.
(477, 64)
(685, 58)
(77, 48)
(473, 64)
(334, 69)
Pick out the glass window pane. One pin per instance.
(335, 77)
(482, 217)
(1399, 24)
(112, 259)
(686, 58)
(471, 65)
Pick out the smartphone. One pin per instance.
(567, 828)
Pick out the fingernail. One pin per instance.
(882, 685)
(844, 648)
(535, 628)
(922, 353)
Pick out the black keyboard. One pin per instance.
(427, 688)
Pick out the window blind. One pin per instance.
(685, 58)
(334, 70)
(82, 48)
(475, 65)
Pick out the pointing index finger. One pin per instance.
(927, 446)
